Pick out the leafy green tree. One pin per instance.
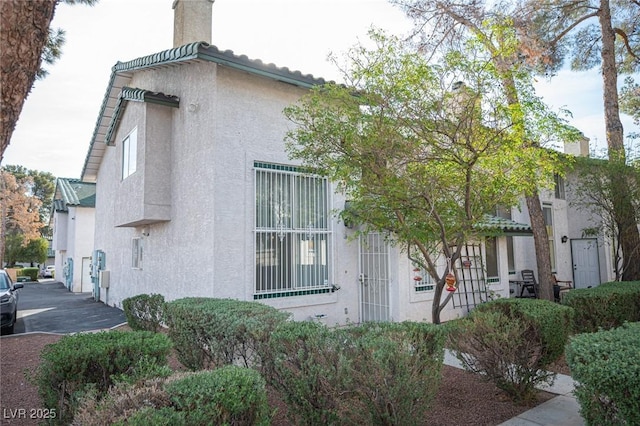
(590, 33)
(446, 25)
(19, 250)
(420, 156)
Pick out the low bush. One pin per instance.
(144, 311)
(606, 369)
(385, 373)
(32, 273)
(209, 333)
(511, 342)
(229, 395)
(394, 372)
(606, 306)
(93, 362)
(305, 365)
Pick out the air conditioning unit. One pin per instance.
(104, 279)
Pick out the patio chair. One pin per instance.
(560, 288)
(530, 285)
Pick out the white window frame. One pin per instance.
(293, 235)
(129, 154)
(422, 281)
(136, 252)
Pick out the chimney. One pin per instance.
(579, 148)
(191, 21)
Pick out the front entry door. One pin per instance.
(374, 278)
(586, 267)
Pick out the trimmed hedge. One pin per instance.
(511, 342)
(32, 273)
(80, 363)
(210, 332)
(606, 306)
(228, 395)
(144, 311)
(383, 373)
(605, 365)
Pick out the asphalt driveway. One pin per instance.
(50, 307)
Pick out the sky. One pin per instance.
(58, 118)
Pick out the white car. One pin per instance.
(49, 271)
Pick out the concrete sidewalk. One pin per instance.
(563, 410)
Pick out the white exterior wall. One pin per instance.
(76, 229)
(226, 121)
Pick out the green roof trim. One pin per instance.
(73, 192)
(122, 73)
(136, 95)
(496, 226)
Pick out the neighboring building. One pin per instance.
(73, 220)
(196, 196)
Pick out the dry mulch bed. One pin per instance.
(463, 399)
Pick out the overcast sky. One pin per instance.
(59, 116)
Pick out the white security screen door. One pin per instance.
(586, 267)
(374, 278)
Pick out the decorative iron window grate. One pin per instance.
(292, 231)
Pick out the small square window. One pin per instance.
(136, 253)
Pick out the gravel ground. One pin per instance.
(462, 399)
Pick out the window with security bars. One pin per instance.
(422, 281)
(292, 235)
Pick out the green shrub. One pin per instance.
(394, 372)
(607, 306)
(229, 395)
(305, 366)
(385, 373)
(156, 417)
(80, 362)
(213, 332)
(511, 342)
(144, 311)
(32, 273)
(605, 365)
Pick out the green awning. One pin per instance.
(494, 225)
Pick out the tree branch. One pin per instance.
(625, 39)
(572, 26)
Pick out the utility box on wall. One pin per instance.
(104, 279)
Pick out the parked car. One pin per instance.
(8, 302)
(49, 271)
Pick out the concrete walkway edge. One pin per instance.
(563, 410)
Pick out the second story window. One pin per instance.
(559, 185)
(129, 153)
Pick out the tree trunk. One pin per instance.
(24, 33)
(623, 207)
(541, 243)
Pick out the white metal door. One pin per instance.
(86, 284)
(374, 278)
(586, 267)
